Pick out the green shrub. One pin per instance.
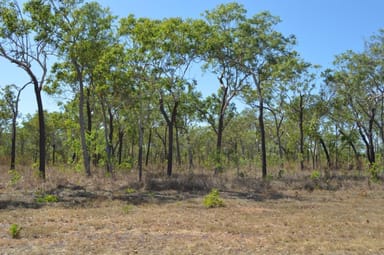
(213, 199)
(315, 175)
(47, 198)
(131, 191)
(15, 177)
(374, 171)
(14, 231)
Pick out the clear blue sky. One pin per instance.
(323, 28)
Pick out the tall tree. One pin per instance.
(356, 83)
(170, 48)
(266, 57)
(21, 43)
(222, 47)
(81, 36)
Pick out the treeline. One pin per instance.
(133, 101)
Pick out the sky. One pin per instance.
(323, 28)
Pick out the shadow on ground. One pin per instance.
(71, 195)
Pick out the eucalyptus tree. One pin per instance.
(266, 57)
(222, 48)
(11, 95)
(301, 88)
(374, 69)
(109, 81)
(169, 48)
(81, 34)
(356, 82)
(22, 43)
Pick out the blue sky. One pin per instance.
(323, 28)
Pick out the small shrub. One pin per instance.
(47, 198)
(14, 231)
(315, 175)
(128, 208)
(131, 191)
(269, 177)
(374, 172)
(213, 199)
(15, 177)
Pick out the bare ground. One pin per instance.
(275, 218)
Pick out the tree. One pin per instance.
(21, 43)
(222, 48)
(169, 48)
(12, 102)
(82, 35)
(354, 81)
(266, 57)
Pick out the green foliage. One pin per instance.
(131, 191)
(47, 198)
(374, 172)
(315, 175)
(128, 208)
(269, 177)
(14, 231)
(213, 200)
(15, 177)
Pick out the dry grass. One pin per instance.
(280, 217)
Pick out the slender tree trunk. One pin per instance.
(170, 123)
(13, 145)
(53, 154)
(301, 130)
(164, 142)
(263, 142)
(148, 147)
(42, 139)
(140, 156)
(178, 154)
(108, 143)
(220, 127)
(111, 130)
(326, 152)
(219, 142)
(120, 150)
(190, 153)
(262, 128)
(83, 139)
(170, 149)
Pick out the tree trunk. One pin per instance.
(178, 154)
(140, 156)
(111, 130)
(120, 150)
(262, 128)
(170, 123)
(190, 153)
(83, 139)
(108, 143)
(148, 146)
(13, 145)
(40, 111)
(219, 142)
(301, 130)
(326, 152)
(263, 142)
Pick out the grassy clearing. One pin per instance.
(281, 217)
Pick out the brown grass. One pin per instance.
(98, 216)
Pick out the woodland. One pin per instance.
(130, 102)
(284, 157)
